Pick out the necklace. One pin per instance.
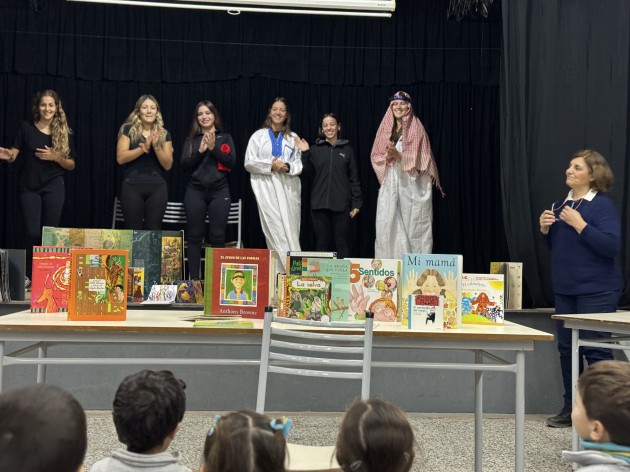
(276, 143)
(570, 203)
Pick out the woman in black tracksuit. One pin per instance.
(336, 190)
(208, 156)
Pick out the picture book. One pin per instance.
(321, 292)
(374, 287)
(172, 257)
(52, 236)
(189, 291)
(294, 259)
(50, 281)
(161, 294)
(146, 252)
(433, 274)
(135, 284)
(98, 287)
(17, 271)
(426, 312)
(238, 282)
(513, 288)
(482, 299)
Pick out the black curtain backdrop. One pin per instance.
(564, 88)
(101, 58)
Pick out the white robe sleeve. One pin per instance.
(258, 154)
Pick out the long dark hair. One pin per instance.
(286, 126)
(195, 129)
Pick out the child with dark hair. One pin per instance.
(601, 417)
(375, 436)
(148, 409)
(42, 428)
(245, 441)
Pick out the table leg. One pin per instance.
(42, 353)
(519, 414)
(575, 363)
(478, 412)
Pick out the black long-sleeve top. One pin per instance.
(205, 168)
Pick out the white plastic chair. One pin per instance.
(290, 346)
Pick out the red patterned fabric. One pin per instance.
(416, 153)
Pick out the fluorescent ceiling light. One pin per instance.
(370, 8)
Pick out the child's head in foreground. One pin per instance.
(602, 403)
(375, 436)
(42, 428)
(148, 408)
(245, 441)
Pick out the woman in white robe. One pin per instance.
(405, 168)
(274, 160)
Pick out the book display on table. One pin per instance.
(426, 312)
(374, 286)
(238, 282)
(159, 253)
(513, 276)
(433, 274)
(482, 299)
(320, 293)
(98, 286)
(50, 282)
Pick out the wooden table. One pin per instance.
(618, 323)
(167, 327)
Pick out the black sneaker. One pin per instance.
(561, 420)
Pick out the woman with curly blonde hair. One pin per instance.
(145, 151)
(45, 148)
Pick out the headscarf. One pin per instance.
(416, 154)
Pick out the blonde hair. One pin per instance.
(59, 131)
(135, 123)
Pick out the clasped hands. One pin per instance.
(570, 216)
(207, 142)
(278, 165)
(150, 140)
(392, 154)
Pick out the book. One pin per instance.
(238, 282)
(433, 274)
(320, 293)
(172, 257)
(426, 312)
(98, 288)
(374, 287)
(163, 294)
(228, 323)
(295, 258)
(513, 288)
(482, 299)
(189, 291)
(146, 252)
(50, 281)
(135, 284)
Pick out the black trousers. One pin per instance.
(143, 205)
(198, 204)
(331, 225)
(40, 207)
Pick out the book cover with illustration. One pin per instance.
(50, 283)
(513, 278)
(482, 299)
(52, 236)
(295, 258)
(433, 274)
(135, 284)
(426, 312)
(238, 282)
(321, 292)
(146, 252)
(98, 286)
(374, 287)
(172, 257)
(189, 291)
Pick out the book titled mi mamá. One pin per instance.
(374, 287)
(50, 284)
(426, 312)
(433, 274)
(98, 285)
(482, 299)
(321, 292)
(237, 282)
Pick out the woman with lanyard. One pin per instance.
(144, 150)
(44, 146)
(405, 168)
(583, 232)
(274, 160)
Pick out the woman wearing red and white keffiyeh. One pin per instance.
(405, 168)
